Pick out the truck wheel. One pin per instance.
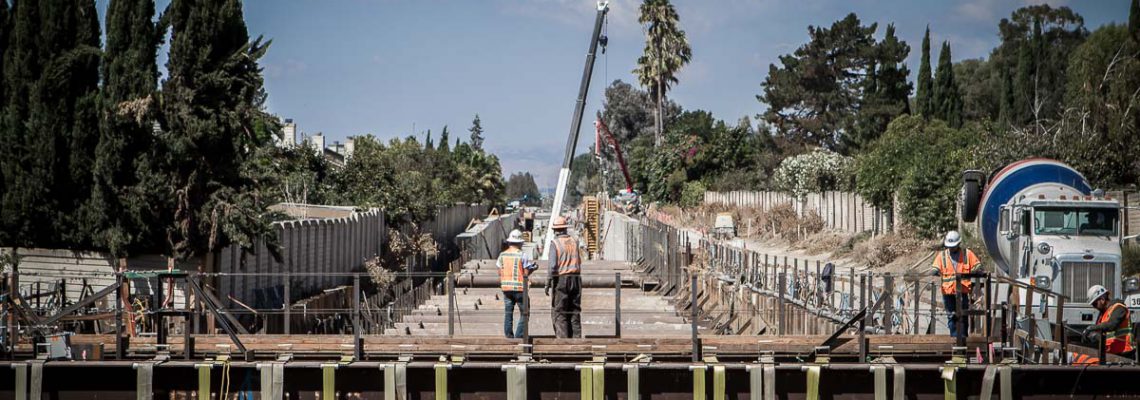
(971, 195)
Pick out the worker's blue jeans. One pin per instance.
(951, 302)
(510, 300)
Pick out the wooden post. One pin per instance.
(780, 308)
(851, 289)
(451, 304)
(917, 287)
(288, 303)
(889, 304)
(863, 322)
(617, 305)
(1029, 314)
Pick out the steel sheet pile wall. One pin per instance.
(323, 247)
(842, 211)
(45, 270)
(448, 223)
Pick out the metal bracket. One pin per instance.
(822, 355)
(709, 354)
(287, 354)
(599, 352)
(525, 353)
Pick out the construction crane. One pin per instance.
(576, 123)
(629, 200)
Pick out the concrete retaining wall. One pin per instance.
(619, 232)
(484, 241)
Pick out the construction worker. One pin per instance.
(1114, 322)
(514, 268)
(952, 262)
(565, 277)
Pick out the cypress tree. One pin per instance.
(476, 134)
(922, 98)
(25, 191)
(4, 154)
(211, 116)
(1005, 104)
(443, 138)
(1134, 21)
(947, 101)
(1023, 87)
(428, 143)
(119, 208)
(4, 29)
(84, 137)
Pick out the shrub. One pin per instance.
(693, 194)
(816, 171)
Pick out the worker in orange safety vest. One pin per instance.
(566, 279)
(514, 268)
(1114, 322)
(950, 264)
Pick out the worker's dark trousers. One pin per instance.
(952, 303)
(568, 307)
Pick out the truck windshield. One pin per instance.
(1076, 221)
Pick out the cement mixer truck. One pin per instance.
(1043, 224)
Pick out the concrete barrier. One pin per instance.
(484, 241)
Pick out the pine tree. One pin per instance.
(121, 205)
(922, 98)
(443, 138)
(212, 118)
(26, 175)
(476, 134)
(886, 91)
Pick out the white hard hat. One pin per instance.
(1095, 292)
(515, 237)
(953, 239)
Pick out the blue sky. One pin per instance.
(393, 68)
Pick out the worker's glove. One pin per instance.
(1088, 334)
(546, 290)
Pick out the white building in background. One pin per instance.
(336, 154)
(288, 134)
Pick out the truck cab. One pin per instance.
(1063, 242)
(1043, 224)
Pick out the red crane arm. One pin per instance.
(603, 131)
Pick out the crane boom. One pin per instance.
(575, 125)
(603, 131)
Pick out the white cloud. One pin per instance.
(287, 68)
(621, 16)
(1054, 3)
(979, 10)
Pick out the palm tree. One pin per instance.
(666, 52)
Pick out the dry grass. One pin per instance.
(885, 249)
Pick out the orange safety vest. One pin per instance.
(1119, 340)
(511, 272)
(966, 262)
(1082, 359)
(569, 261)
